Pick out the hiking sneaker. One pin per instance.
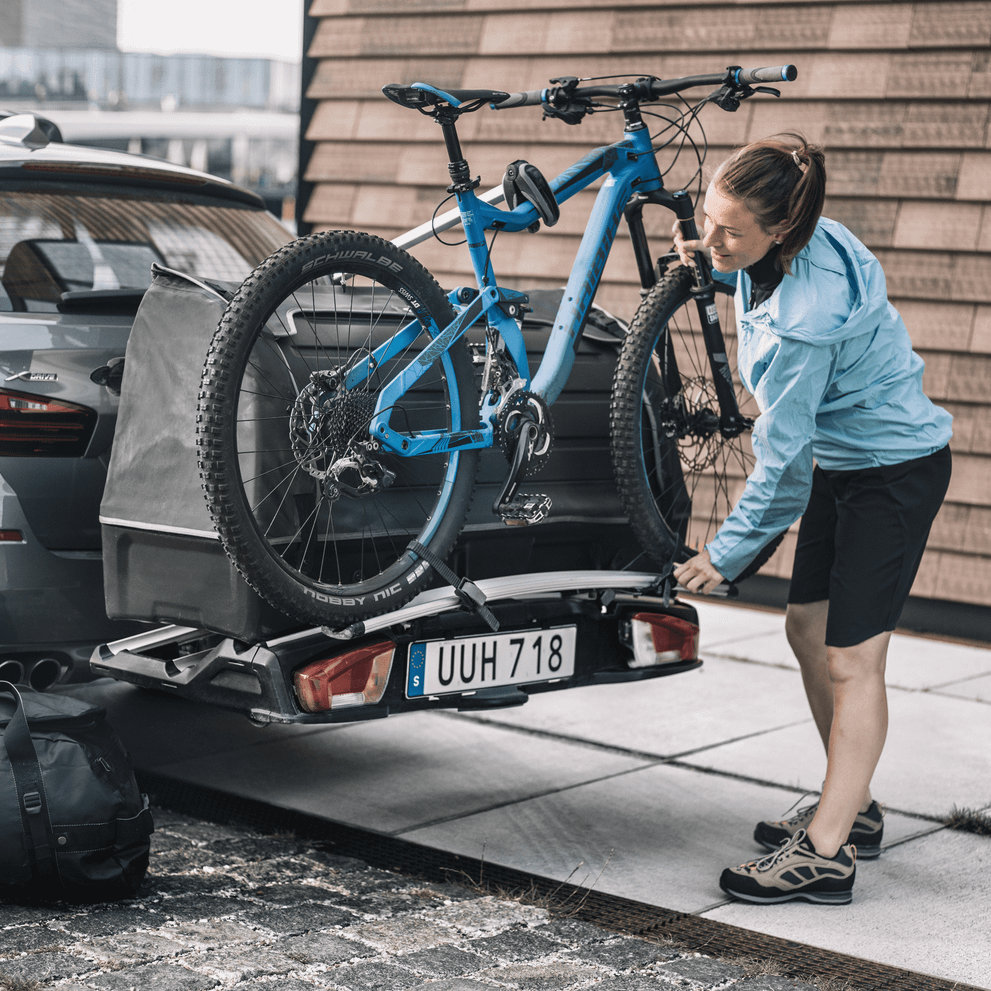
(794, 872)
(866, 834)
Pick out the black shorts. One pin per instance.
(861, 540)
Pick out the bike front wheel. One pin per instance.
(317, 514)
(678, 475)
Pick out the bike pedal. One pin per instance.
(525, 509)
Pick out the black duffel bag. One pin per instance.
(73, 824)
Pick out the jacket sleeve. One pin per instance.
(788, 391)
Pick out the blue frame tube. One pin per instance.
(629, 164)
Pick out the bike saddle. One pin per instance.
(420, 96)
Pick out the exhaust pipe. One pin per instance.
(12, 671)
(44, 673)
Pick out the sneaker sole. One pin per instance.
(816, 897)
(863, 852)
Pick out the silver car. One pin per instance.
(79, 231)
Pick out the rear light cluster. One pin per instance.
(40, 427)
(657, 638)
(357, 677)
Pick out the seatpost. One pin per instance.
(456, 164)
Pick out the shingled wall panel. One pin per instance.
(899, 93)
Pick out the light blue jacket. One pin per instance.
(831, 365)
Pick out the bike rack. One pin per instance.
(251, 677)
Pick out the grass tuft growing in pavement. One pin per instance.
(970, 821)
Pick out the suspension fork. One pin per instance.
(731, 423)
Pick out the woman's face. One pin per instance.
(732, 233)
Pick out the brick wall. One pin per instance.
(897, 92)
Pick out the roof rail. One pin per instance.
(30, 130)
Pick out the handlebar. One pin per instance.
(646, 89)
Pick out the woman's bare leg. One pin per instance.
(846, 693)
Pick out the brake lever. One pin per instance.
(729, 97)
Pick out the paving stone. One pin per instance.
(211, 934)
(326, 948)
(153, 977)
(515, 944)
(43, 967)
(623, 954)
(573, 931)
(488, 915)
(305, 918)
(174, 885)
(444, 961)
(543, 977)
(704, 971)
(401, 935)
(373, 976)
(107, 922)
(291, 894)
(25, 939)
(195, 908)
(232, 965)
(131, 948)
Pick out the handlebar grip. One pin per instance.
(770, 74)
(531, 98)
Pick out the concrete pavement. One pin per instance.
(648, 790)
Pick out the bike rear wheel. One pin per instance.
(678, 476)
(317, 516)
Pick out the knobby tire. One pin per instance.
(677, 475)
(316, 517)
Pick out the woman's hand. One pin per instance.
(686, 249)
(697, 574)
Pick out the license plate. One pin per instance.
(443, 667)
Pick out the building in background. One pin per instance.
(58, 24)
(897, 92)
(234, 117)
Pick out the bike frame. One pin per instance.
(632, 179)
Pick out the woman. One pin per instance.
(831, 366)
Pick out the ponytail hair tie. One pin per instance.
(802, 165)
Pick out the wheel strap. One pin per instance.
(471, 596)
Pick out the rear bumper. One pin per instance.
(50, 601)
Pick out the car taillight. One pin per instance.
(657, 638)
(11, 537)
(357, 677)
(37, 426)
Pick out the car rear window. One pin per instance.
(52, 243)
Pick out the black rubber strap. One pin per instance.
(28, 783)
(471, 596)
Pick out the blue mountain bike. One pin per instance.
(346, 396)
